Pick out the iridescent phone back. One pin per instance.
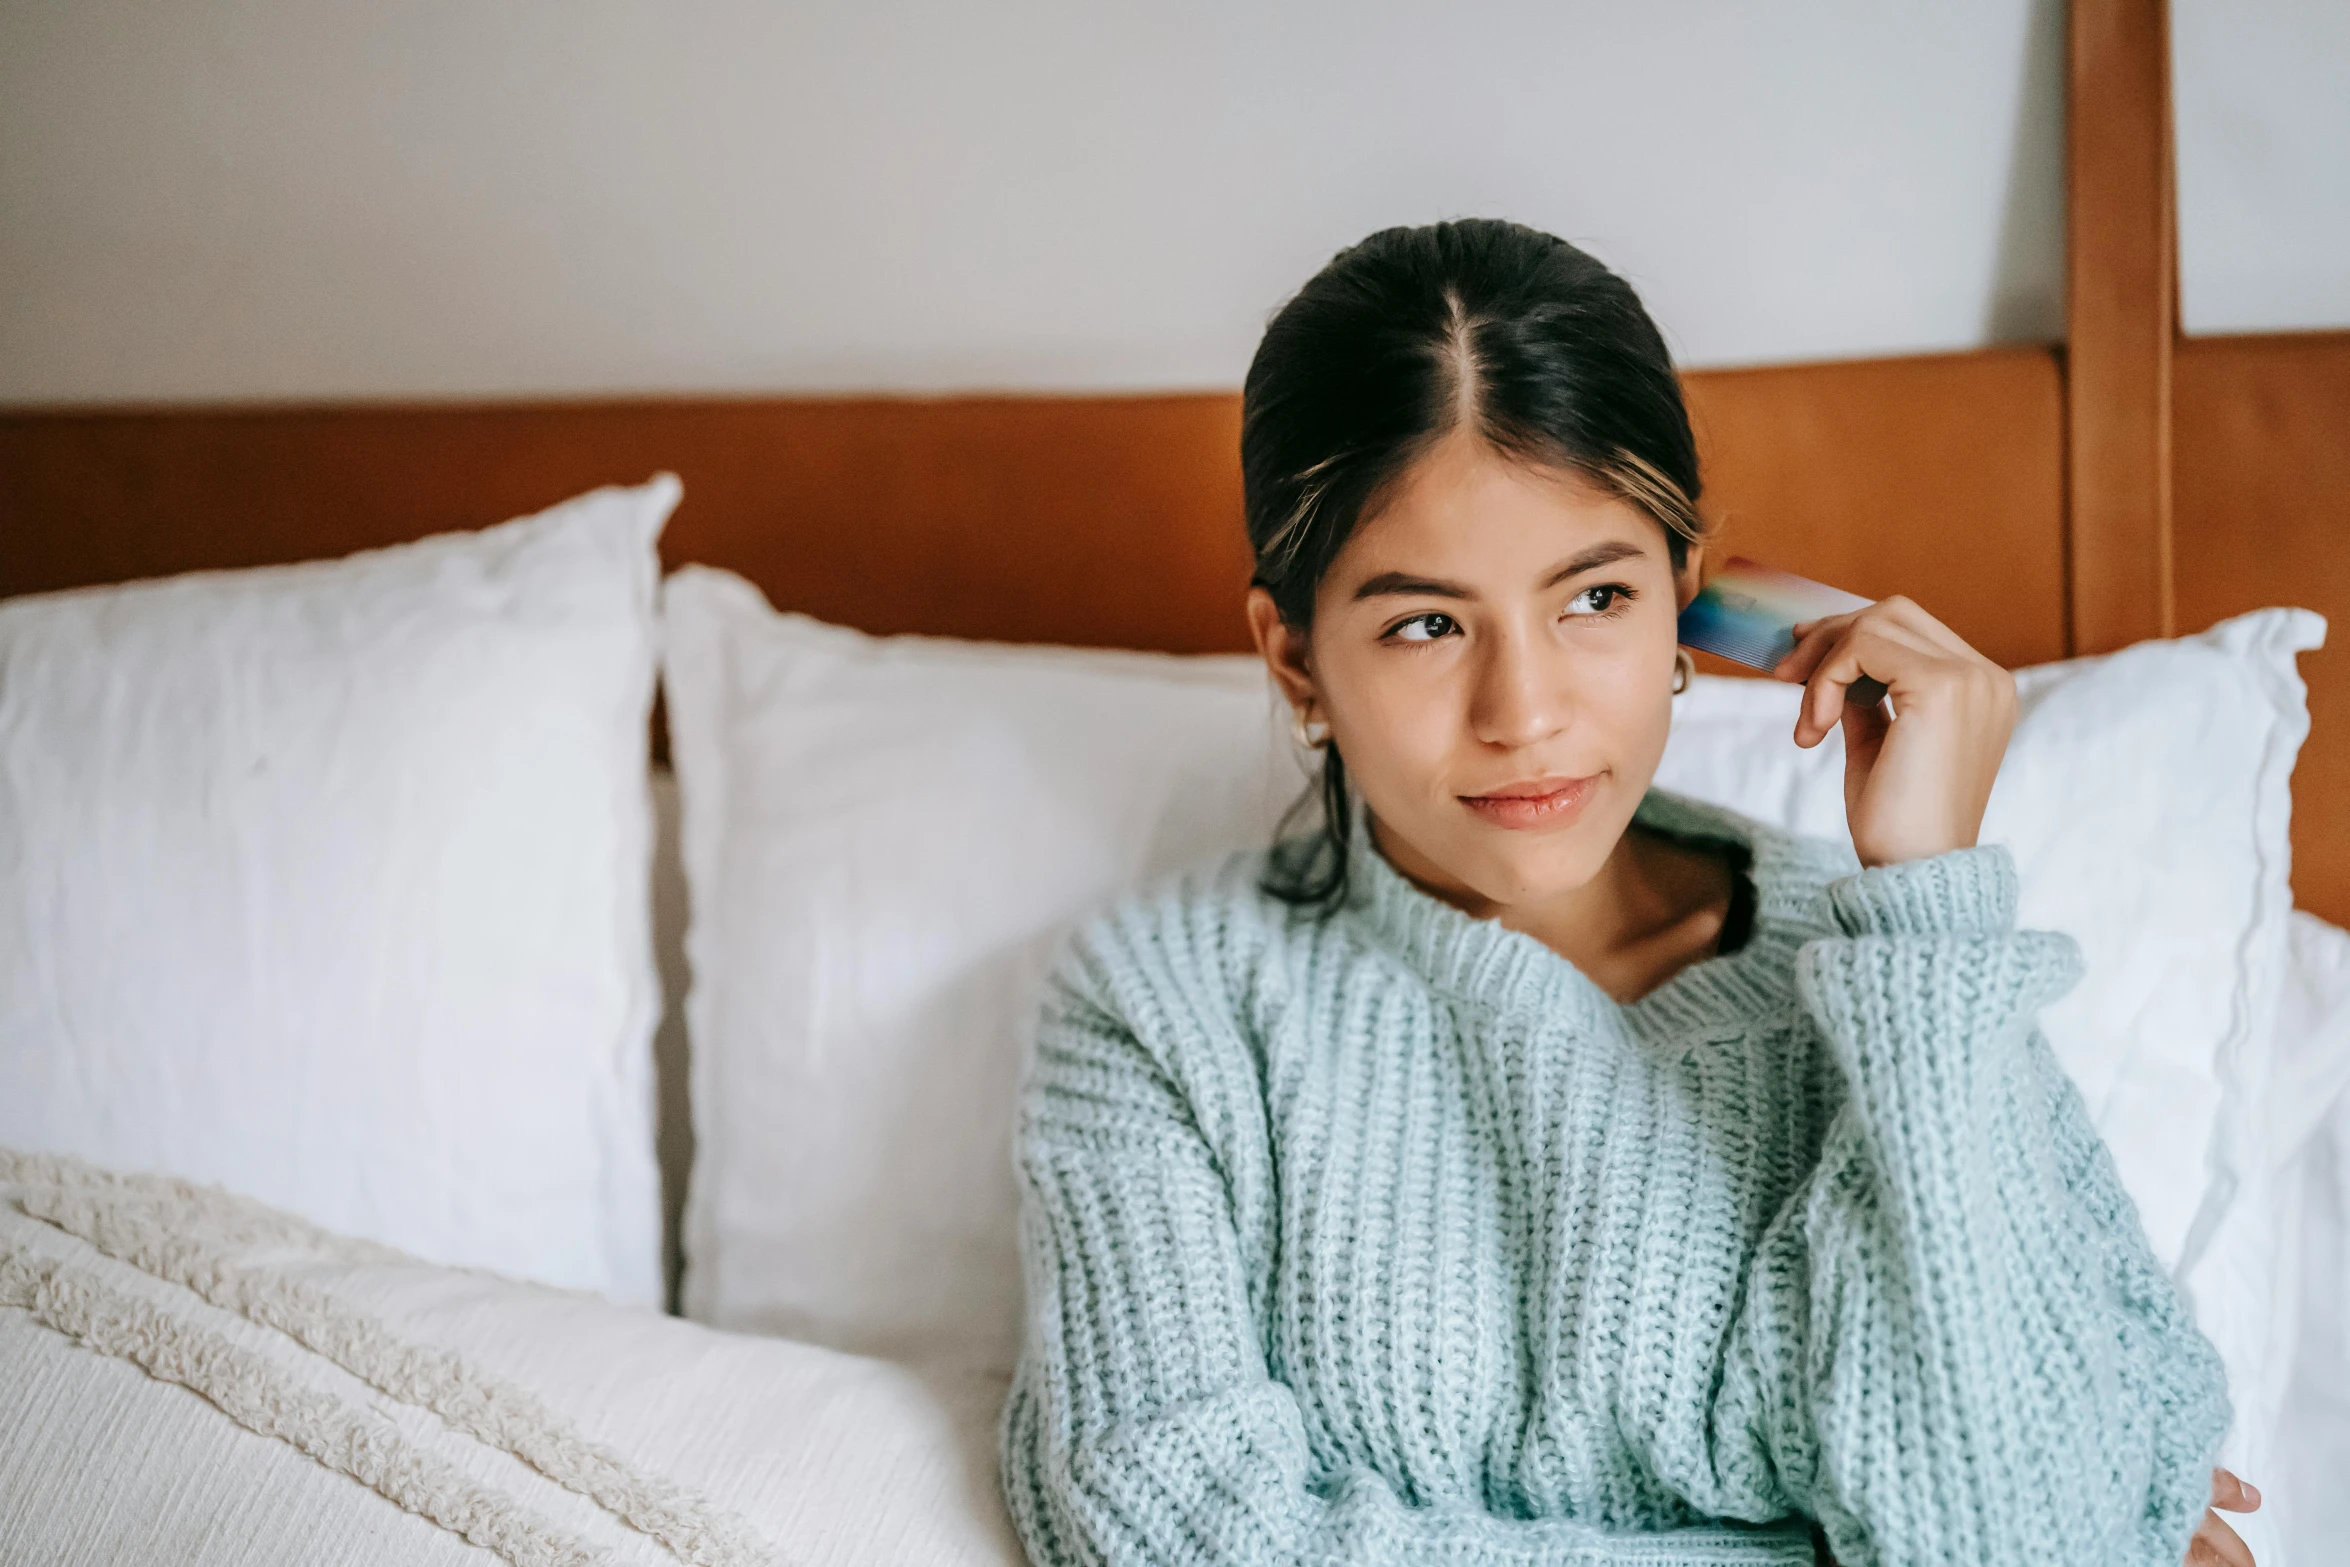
(1745, 612)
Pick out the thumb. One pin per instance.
(1865, 729)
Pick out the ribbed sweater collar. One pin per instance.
(1487, 964)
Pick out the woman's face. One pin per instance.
(1493, 652)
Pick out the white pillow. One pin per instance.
(328, 882)
(884, 839)
(884, 836)
(543, 1424)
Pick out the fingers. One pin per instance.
(1862, 648)
(2232, 1494)
(2217, 1545)
(1813, 639)
(1866, 724)
(1891, 644)
(1906, 611)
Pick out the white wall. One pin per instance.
(240, 199)
(2261, 95)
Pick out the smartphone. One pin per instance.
(1746, 613)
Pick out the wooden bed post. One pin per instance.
(2121, 307)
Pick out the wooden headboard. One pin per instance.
(2042, 500)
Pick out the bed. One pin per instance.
(2050, 502)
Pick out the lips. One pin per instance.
(1534, 802)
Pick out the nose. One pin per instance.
(1519, 699)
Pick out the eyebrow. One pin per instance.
(1405, 584)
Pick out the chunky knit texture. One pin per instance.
(1392, 1238)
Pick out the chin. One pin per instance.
(1526, 869)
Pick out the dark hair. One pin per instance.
(1394, 344)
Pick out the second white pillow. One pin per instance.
(884, 839)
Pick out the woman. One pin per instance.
(1534, 1166)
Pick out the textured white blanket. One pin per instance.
(307, 1397)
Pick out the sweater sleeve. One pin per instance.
(1143, 1425)
(1977, 1357)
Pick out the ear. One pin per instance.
(1691, 577)
(1284, 650)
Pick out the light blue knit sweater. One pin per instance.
(1393, 1238)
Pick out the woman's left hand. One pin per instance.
(1914, 785)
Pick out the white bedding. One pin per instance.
(738, 1449)
(191, 1378)
(107, 1454)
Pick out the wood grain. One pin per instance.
(1105, 521)
(1939, 477)
(2121, 318)
(2263, 462)
(1112, 521)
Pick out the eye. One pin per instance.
(1424, 628)
(1600, 599)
